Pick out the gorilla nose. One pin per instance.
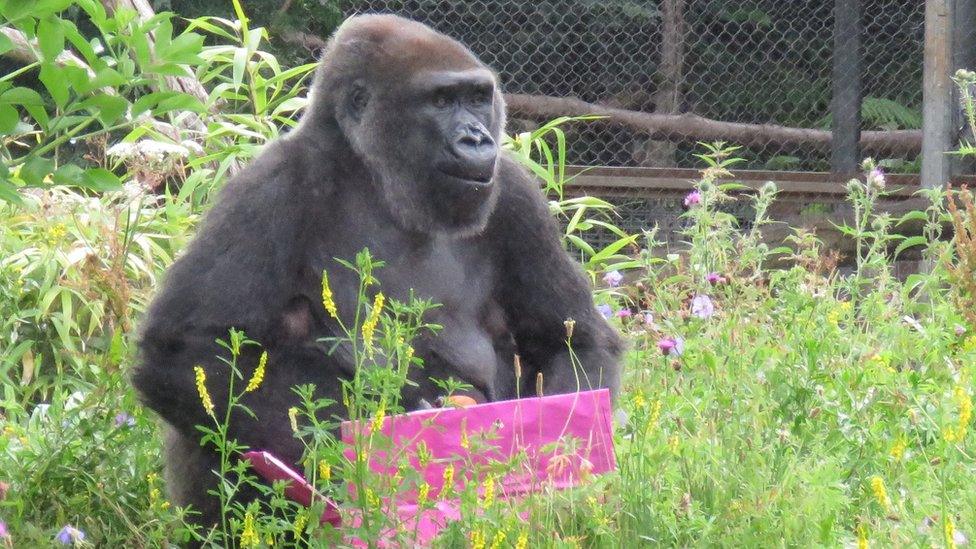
(475, 153)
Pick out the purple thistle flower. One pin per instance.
(671, 345)
(693, 199)
(613, 279)
(624, 313)
(702, 306)
(4, 532)
(604, 310)
(876, 178)
(125, 419)
(648, 319)
(714, 278)
(69, 535)
(960, 330)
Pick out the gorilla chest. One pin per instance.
(455, 274)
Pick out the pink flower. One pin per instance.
(624, 313)
(876, 178)
(714, 278)
(671, 345)
(702, 306)
(613, 279)
(693, 199)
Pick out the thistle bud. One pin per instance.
(538, 384)
(518, 367)
(569, 323)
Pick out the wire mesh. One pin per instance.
(757, 62)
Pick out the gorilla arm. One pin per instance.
(240, 272)
(540, 287)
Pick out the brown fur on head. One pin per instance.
(373, 84)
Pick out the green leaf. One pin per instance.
(50, 37)
(30, 100)
(54, 80)
(240, 62)
(909, 242)
(35, 170)
(106, 77)
(8, 192)
(69, 174)
(5, 44)
(15, 9)
(180, 102)
(914, 215)
(8, 119)
(100, 179)
(79, 42)
(108, 107)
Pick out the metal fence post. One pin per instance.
(937, 106)
(845, 154)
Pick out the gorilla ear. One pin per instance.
(358, 99)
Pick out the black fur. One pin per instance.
(357, 173)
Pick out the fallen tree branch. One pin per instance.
(690, 126)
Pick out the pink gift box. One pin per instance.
(553, 441)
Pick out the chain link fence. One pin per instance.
(755, 62)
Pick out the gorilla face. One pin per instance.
(425, 123)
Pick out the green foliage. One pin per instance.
(879, 113)
(806, 407)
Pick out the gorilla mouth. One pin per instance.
(473, 178)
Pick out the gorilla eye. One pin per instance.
(441, 100)
(481, 97)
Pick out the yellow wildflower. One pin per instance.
(655, 415)
(268, 540)
(422, 494)
(299, 526)
(327, 300)
(377, 422)
(465, 442)
(862, 537)
(477, 539)
(488, 496)
(258, 375)
(950, 533)
(448, 479)
(674, 444)
(949, 434)
(325, 471)
(293, 418)
(369, 327)
(371, 498)
(523, 540)
(499, 539)
(424, 455)
(638, 401)
(880, 493)
(965, 405)
(969, 344)
(249, 536)
(201, 379)
(898, 448)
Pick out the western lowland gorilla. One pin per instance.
(398, 152)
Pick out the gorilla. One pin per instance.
(398, 152)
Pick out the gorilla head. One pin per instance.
(421, 112)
